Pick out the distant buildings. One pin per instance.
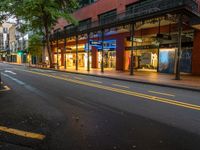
(13, 44)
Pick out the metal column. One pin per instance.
(178, 58)
(102, 53)
(76, 52)
(65, 44)
(88, 53)
(158, 63)
(57, 51)
(132, 49)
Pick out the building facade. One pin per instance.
(4, 41)
(14, 44)
(126, 35)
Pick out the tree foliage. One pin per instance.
(35, 45)
(40, 16)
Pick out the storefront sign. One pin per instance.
(138, 40)
(142, 47)
(107, 44)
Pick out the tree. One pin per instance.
(41, 15)
(35, 46)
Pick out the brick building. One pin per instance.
(127, 35)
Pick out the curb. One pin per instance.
(127, 80)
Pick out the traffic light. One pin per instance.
(20, 52)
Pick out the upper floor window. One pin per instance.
(67, 27)
(108, 17)
(85, 22)
(5, 30)
(57, 30)
(86, 2)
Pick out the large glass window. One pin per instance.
(108, 17)
(86, 2)
(85, 23)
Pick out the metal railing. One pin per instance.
(140, 9)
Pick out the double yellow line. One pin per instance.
(121, 91)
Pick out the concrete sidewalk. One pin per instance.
(187, 81)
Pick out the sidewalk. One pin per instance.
(187, 81)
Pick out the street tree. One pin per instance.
(41, 15)
(35, 46)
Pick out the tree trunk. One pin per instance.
(49, 48)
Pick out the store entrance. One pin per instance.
(57, 59)
(109, 59)
(144, 60)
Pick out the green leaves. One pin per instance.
(39, 16)
(39, 13)
(35, 45)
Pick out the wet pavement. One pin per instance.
(77, 116)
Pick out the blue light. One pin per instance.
(108, 45)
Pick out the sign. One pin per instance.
(107, 44)
(139, 40)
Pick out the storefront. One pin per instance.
(57, 57)
(151, 56)
(145, 55)
(109, 53)
(82, 56)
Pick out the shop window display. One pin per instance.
(167, 61)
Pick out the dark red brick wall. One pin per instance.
(196, 54)
(120, 52)
(94, 57)
(97, 8)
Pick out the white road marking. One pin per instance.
(78, 78)
(117, 85)
(11, 72)
(96, 81)
(166, 94)
(14, 79)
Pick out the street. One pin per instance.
(45, 109)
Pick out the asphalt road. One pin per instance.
(41, 109)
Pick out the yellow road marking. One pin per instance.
(120, 86)
(166, 94)
(6, 88)
(66, 76)
(22, 133)
(121, 91)
(96, 81)
(78, 78)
